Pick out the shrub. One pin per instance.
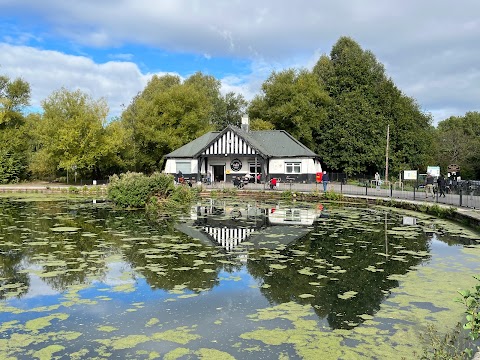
(471, 300)
(135, 189)
(332, 195)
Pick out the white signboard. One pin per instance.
(433, 170)
(409, 174)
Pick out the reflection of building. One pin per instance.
(239, 151)
(230, 225)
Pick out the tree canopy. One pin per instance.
(458, 142)
(14, 97)
(294, 101)
(341, 110)
(70, 132)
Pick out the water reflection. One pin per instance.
(223, 257)
(228, 224)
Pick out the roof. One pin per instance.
(280, 143)
(270, 143)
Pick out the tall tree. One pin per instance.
(365, 103)
(14, 97)
(162, 118)
(458, 140)
(71, 132)
(233, 107)
(294, 101)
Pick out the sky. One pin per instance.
(111, 48)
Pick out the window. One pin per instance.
(251, 168)
(183, 166)
(293, 168)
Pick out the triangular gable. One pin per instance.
(230, 142)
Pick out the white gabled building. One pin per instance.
(237, 152)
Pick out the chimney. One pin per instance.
(245, 123)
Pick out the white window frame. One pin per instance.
(293, 167)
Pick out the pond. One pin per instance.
(229, 280)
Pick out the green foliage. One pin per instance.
(294, 101)
(14, 141)
(440, 211)
(14, 96)
(332, 195)
(471, 300)
(135, 189)
(458, 142)
(259, 124)
(444, 347)
(70, 134)
(365, 101)
(12, 165)
(229, 191)
(165, 116)
(290, 195)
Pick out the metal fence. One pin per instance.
(459, 195)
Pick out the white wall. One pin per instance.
(308, 166)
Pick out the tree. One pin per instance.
(71, 133)
(458, 139)
(294, 101)
(259, 124)
(14, 96)
(162, 118)
(233, 106)
(365, 102)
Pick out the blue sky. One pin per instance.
(112, 48)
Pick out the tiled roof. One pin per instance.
(270, 143)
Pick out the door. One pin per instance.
(218, 173)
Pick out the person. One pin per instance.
(209, 178)
(441, 185)
(377, 180)
(237, 182)
(259, 177)
(247, 178)
(273, 183)
(428, 185)
(325, 180)
(179, 177)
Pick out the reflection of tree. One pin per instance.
(11, 253)
(172, 259)
(68, 255)
(322, 256)
(10, 266)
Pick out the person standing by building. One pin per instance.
(377, 180)
(325, 181)
(441, 185)
(429, 185)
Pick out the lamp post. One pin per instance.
(386, 154)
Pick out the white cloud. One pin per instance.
(48, 71)
(428, 47)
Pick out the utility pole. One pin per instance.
(386, 154)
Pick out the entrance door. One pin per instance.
(218, 173)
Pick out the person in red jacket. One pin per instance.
(273, 183)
